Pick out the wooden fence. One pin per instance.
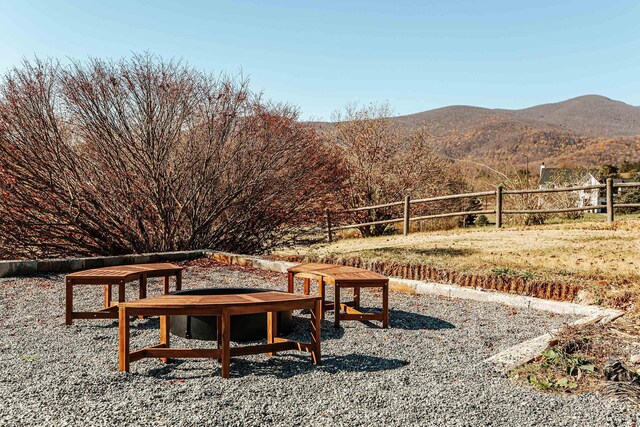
(499, 194)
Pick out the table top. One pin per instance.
(124, 271)
(217, 301)
(338, 273)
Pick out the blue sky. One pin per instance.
(320, 55)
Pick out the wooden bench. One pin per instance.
(117, 276)
(340, 277)
(223, 306)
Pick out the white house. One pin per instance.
(565, 177)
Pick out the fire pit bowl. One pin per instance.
(245, 327)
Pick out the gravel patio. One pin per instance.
(426, 369)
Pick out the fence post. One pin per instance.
(328, 216)
(499, 206)
(609, 200)
(407, 203)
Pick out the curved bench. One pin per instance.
(222, 306)
(340, 276)
(117, 276)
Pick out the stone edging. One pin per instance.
(502, 362)
(43, 266)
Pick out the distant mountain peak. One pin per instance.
(589, 115)
(587, 130)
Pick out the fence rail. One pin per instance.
(406, 219)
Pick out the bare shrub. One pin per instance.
(527, 201)
(142, 155)
(540, 201)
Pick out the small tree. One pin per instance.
(384, 164)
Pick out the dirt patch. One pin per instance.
(580, 359)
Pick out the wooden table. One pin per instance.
(117, 276)
(340, 276)
(223, 306)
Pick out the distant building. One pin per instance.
(566, 177)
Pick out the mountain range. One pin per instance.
(585, 131)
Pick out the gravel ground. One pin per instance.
(425, 370)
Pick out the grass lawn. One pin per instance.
(590, 253)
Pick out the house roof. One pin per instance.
(563, 176)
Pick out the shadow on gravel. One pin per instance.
(136, 324)
(327, 331)
(398, 319)
(282, 367)
(401, 319)
(285, 367)
(175, 370)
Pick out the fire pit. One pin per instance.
(246, 327)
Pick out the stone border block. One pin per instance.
(53, 266)
(18, 268)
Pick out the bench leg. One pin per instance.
(272, 329)
(290, 280)
(69, 302)
(226, 351)
(316, 316)
(123, 343)
(219, 337)
(143, 286)
(322, 293)
(143, 289)
(385, 306)
(121, 291)
(164, 334)
(107, 296)
(336, 307)
(356, 297)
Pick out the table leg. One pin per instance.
(290, 280)
(307, 286)
(107, 296)
(272, 329)
(226, 352)
(336, 307)
(69, 302)
(179, 280)
(385, 305)
(123, 343)
(316, 316)
(165, 283)
(164, 334)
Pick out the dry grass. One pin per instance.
(604, 259)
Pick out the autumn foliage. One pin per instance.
(140, 155)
